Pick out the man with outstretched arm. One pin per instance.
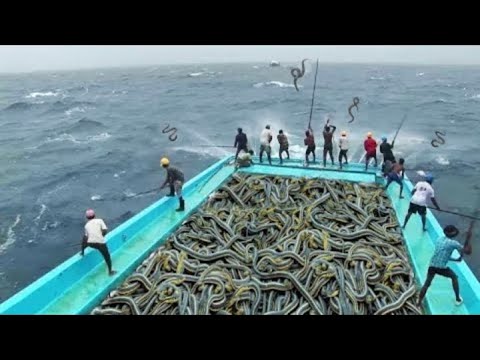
(240, 142)
(95, 231)
(418, 204)
(328, 142)
(444, 247)
(397, 174)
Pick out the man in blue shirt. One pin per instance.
(441, 256)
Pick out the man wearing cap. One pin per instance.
(386, 150)
(370, 146)
(265, 139)
(328, 142)
(175, 179)
(240, 142)
(343, 145)
(418, 204)
(283, 141)
(444, 248)
(95, 231)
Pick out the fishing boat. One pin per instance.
(79, 284)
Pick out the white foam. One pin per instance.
(442, 160)
(41, 94)
(71, 138)
(420, 74)
(275, 84)
(96, 197)
(376, 78)
(43, 207)
(421, 173)
(196, 74)
(11, 237)
(74, 110)
(255, 67)
(129, 193)
(50, 226)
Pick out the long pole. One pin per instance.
(313, 97)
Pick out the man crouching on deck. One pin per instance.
(175, 179)
(95, 230)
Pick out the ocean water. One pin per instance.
(79, 139)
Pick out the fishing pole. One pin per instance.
(454, 213)
(313, 96)
(401, 124)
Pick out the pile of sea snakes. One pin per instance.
(277, 246)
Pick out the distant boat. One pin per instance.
(274, 63)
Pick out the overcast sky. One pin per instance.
(33, 58)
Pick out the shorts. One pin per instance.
(310, 149)
(393, 177)
(283, 148)
(414, 208)
(265, 148)
(178, 187)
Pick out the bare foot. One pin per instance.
(402, 197)
(113, 272)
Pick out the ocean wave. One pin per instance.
(18, 106)
(377, 78)
(420, 74)
(74, 110)
(96, 198)
(68, 137)
(275, 84)
(41, 94)
(11, 236)
(50, 225)
(196, 74)
(84, 124)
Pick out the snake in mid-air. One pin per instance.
(435, 142)
(297, 73)
(173, 136)
(356, 101)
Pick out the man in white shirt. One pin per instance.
(343, 144)
(95, 230)
(265, 139)
(244, 159)
(418, 204)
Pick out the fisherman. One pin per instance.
(244, 159)
(386, 150)
(283, 141)
(394, 175)
(240, 142)
(387, 168)
(422, 191)
(175, 179)
(444, 247)
(370, 146)
(343, 145)
(265, 139)
(95, 231)
(327, 144)
(309, 141)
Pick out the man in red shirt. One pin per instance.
(371, 148)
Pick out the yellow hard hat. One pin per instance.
(369, 134)
(164, 162)
(344, 133)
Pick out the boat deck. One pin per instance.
(79, 284)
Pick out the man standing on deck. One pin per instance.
(386, 150)
(370, 146)
(95, 230)
(394, 175)
(283, 141)
(343, 145)
(240, 142)
(265, 139)
(422, 191)
(444, 247)
(175, 179)
(309, 141)
(328, 142)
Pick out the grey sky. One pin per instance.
(33, 58)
